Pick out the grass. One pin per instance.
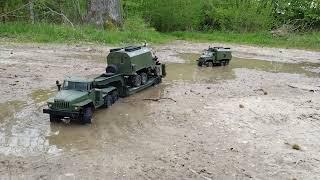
(46, 33)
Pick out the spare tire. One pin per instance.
(112, 69)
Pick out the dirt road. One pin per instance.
(235, 122)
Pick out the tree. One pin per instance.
(104, 12)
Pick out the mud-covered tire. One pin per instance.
(54, 118)
(144, 78)
(223, 63)
(108, 101)
(87, 115)
(209, 64)
(199, 63)
(136, 80)
(115, 96)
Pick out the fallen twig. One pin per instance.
(158, 99)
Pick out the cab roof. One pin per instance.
(131, 51)
(79, 79)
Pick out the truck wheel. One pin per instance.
(199, 63)
(223, 63)
(115, 96)
(87, 115)
(210, 64)
(136, 80)
(144, 78)
(54, 118)
(108, 100)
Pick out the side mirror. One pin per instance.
(58, 85)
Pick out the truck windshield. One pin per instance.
(79, 86)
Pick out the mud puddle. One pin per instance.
(30, 133)
(190, 72)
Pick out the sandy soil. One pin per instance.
(235, 122)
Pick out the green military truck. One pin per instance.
(216, 56)
(129, 70)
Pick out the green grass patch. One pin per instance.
(309, 40)
(49, 33)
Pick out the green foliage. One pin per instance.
(61, 34)
(301, 14)
(238, 15)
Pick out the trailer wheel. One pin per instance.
(136, 80)
(108, 100)
(144, 78)
(87, 115)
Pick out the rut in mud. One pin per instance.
(239, 121)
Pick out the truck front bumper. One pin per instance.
(62, 113)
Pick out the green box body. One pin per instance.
(129, 61)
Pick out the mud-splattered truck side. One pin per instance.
(129, 70)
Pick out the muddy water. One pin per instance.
(26, 131)
(190, 72)
(29, 132)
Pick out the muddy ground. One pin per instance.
(236, 122)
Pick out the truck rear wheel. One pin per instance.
(223, 63)
(144, 78)
(136, 80)
(209, 64)
(87, 115)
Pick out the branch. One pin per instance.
(61, 14)
(2, 15)
(158, 99)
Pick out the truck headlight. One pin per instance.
(76, 108)
(49, 105)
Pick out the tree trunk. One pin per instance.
(31, 11)
(104, 12)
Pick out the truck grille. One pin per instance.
(61, 105)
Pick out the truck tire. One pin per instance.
(136, 80)
(209, 64)
(144, 78)
(115, 96)
(87, 115)
(199, 63)
(55, 118)
(108, 100)
(223, 63)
